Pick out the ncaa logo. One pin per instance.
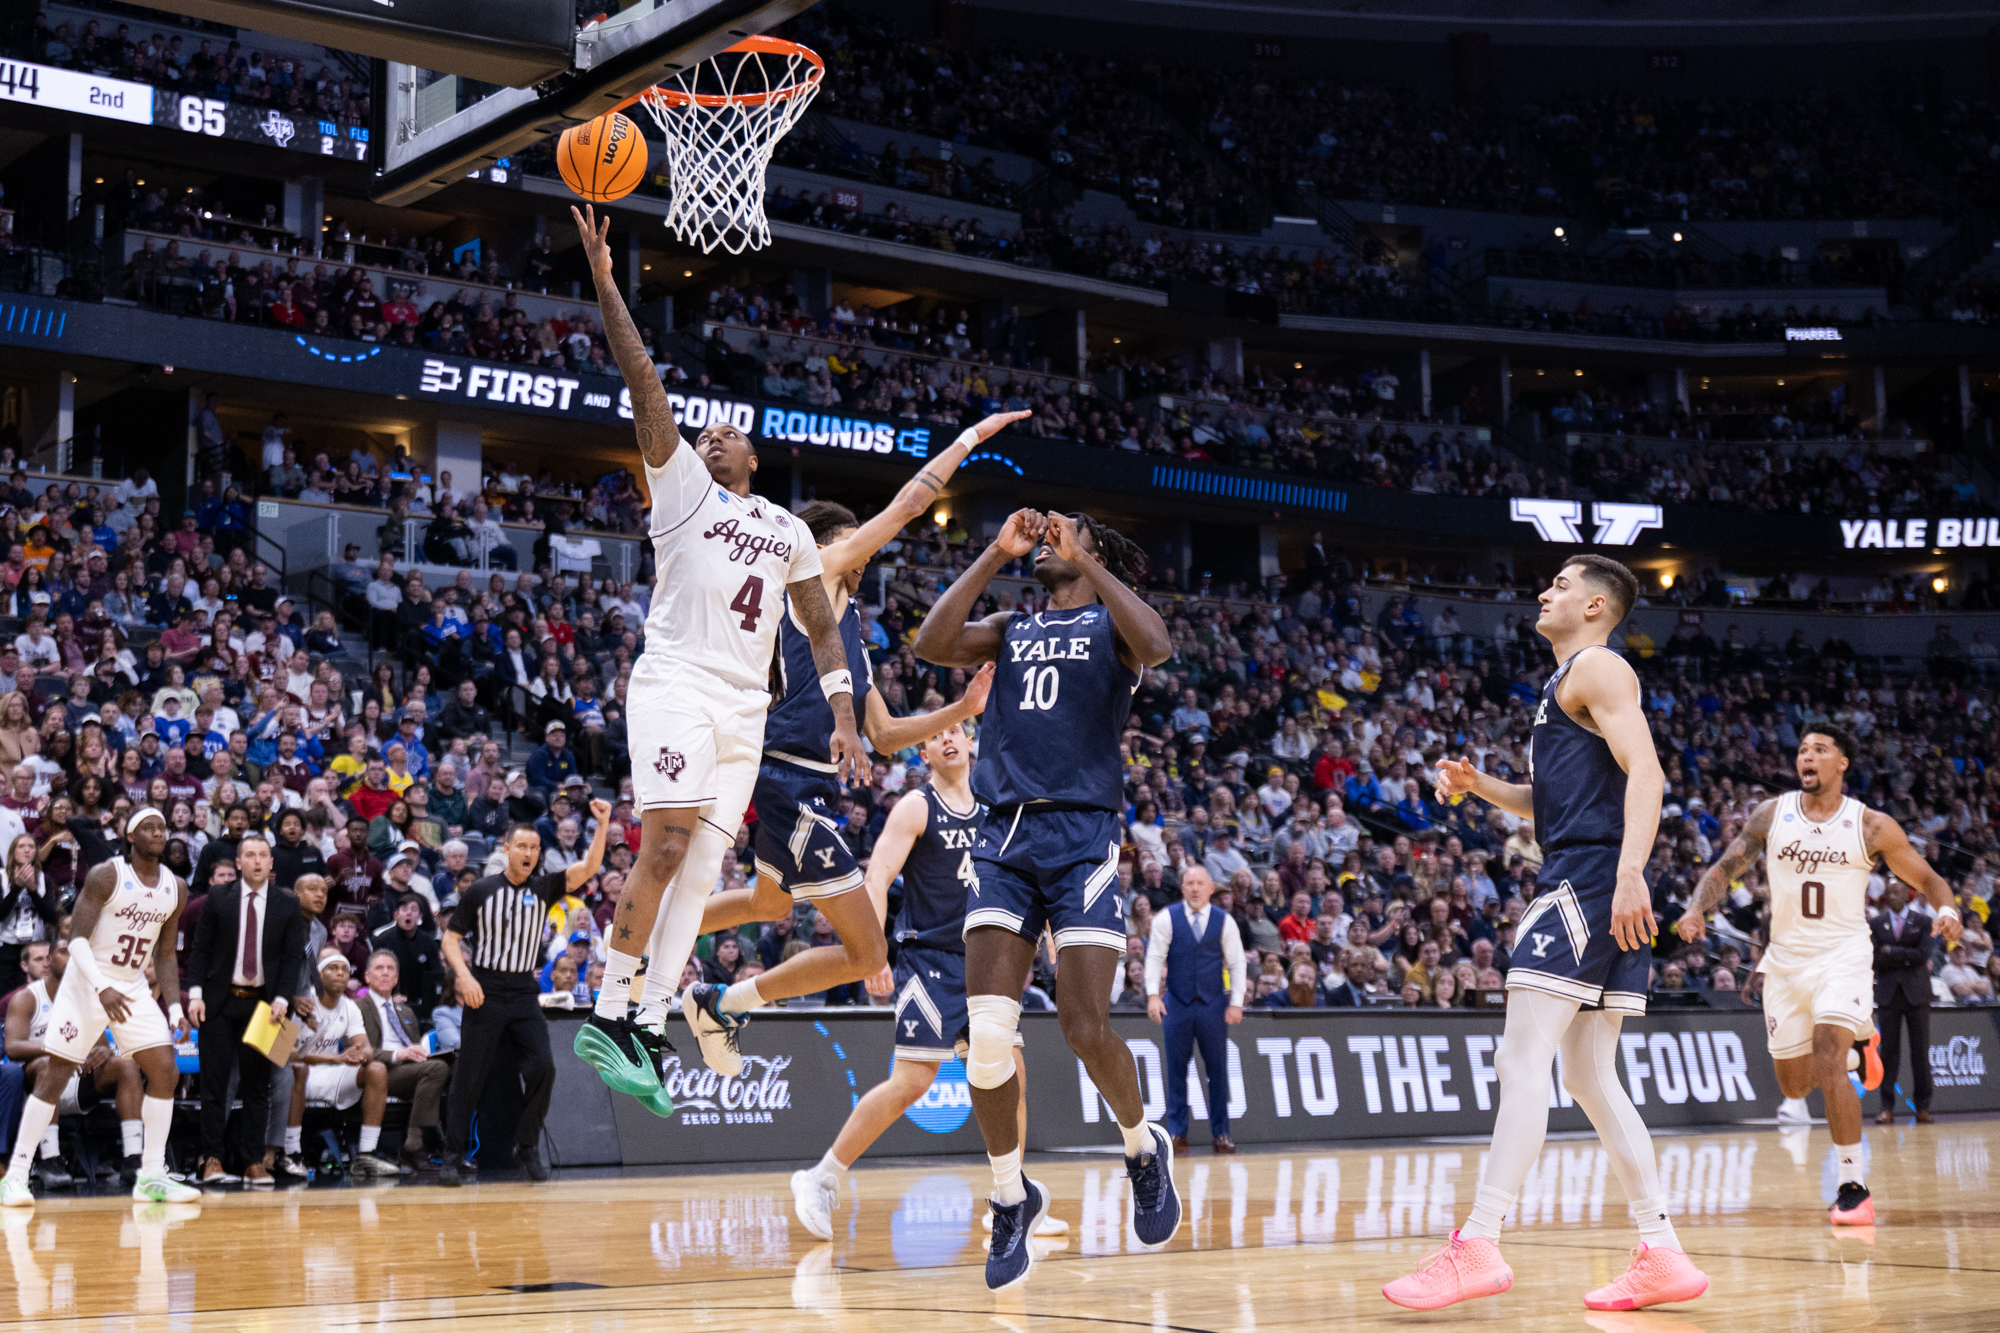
(947, 1103)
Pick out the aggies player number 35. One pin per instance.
(1819, 846)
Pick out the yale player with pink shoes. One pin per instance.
(1594, 793)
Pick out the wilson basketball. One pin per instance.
(603, 159)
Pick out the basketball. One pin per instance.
(602, 159)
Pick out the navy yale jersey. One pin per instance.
(800, 725)
(1053, 722)
(1563, 945)
(1579, 789)
(938, 878)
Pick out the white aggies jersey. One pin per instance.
(129, 925)
(1818, 875)
(44, 992)
(723, 561)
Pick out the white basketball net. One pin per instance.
(721, 119)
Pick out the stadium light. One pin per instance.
(1938, 584)
(1666, 578)
(1677, 236)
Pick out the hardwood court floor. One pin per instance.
(1276, 1240)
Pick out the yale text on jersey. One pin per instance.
(1051, 649)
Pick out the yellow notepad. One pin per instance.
(270, 1036)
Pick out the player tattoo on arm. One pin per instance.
(1735, 861)
(652, 415)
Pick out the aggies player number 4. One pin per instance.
(1819, 846)
(728, 562)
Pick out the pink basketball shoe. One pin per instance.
(1658, 1276)
(1462, 1270)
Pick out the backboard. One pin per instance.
(512, 42)
(435, 129)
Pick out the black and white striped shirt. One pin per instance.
(506, 921)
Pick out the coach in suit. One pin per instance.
(1903, 997)
(397, 1037)
(1196, 956)
(248, 947)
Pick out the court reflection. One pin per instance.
(1270, 1239)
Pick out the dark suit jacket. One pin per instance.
(371, 1023)
(282, 950)
(1902, 962)
(1347, 995)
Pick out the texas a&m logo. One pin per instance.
(670, 763)
(68, 1032)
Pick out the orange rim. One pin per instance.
(770, 46)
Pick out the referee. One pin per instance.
(506, 914)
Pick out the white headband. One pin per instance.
(144, 813)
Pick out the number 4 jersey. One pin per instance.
(723, 561)
(938, 876)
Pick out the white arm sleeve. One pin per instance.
(1156, 952)
(85, 962)
(678, 487)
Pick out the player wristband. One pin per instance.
(967, 437)
(837, 682)
(1950, 910)
(175, 1018)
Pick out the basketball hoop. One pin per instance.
(721, 118)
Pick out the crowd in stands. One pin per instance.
(460, 526)
(345, 302)
(1359, 280)
(1382, 145)
(1648, 261)
(948, 177)
(1812, 155)
(1092, 120)
(1198, 145)
(1288, 747)
(195, 216)
(169, 671)
(197, 64)
(1767, 476)
(1964, 138)
(1973, 299)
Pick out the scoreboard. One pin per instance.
(25, 83)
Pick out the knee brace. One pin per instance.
(991, 1020)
